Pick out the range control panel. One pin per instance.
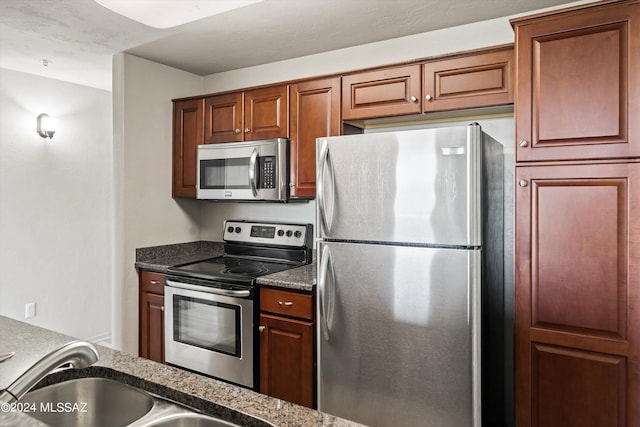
(295, 235)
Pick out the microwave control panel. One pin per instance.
(268, 176)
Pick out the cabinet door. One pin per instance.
(152, 326)
(223, 118)
(286, 359)
(266, 113)
(577, 288)
(381, 93)
(314, 112)
(187, 135)
(578, 86)
(479, 80)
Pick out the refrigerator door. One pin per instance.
(419, 186)
(399, 334)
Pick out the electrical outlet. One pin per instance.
(29, 310)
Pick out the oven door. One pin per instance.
(210, 330)
(251, 171)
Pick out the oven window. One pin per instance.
(206, 324)
(224, 173)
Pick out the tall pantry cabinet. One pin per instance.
(577, 296)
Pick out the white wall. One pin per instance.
(145, 213)
(55, 230)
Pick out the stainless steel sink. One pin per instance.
(89, 402)
(100, 402)
(191, 420)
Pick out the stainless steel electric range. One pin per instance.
(211, 306)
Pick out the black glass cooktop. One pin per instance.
(231, 268)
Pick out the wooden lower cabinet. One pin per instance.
(287, 359)
(577, 312)
(151, 316)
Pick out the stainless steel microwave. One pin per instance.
(244, 171)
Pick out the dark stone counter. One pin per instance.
(208, 395)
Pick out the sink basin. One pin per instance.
(191, 420)
(89, 402)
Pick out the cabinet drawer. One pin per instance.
(152, 282)
(287, 303)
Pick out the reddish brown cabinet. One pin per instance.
(577, 287)
(578, 85)
(314, 113)
(479, 79)
(188, 120)
(287, 361)
(247, 116)
(382, 93)
(151, 316)
(577, 254)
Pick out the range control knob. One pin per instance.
(298, 234)
(280, 233)
(230, 229)
(238, 229)
(289, 233)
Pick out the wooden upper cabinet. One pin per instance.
(266, 113)
(577, 84)
(188, 129)
(478, 80)
(314, 113)
(382, 93)
(577, 286)
(247, 116)
(223, 118)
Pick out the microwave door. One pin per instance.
(230, 177)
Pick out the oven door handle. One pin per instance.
(215, 291)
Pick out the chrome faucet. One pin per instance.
(79, 354)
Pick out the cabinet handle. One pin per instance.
(523, 143)
(285, 303)
(261, 328)
(162, 308)
(154, 282)
(523, 183)
(237, 131)
(291, 184)
(428, 97)
(413, 99)
(247, 130)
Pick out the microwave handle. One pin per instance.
(253, 178)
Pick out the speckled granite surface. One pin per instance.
(210, 396)
(160, 258)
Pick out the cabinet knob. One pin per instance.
(237, 131)
(523, 143)
(413, 99)
(292, 185)
(162, 308)
(247, 130)
(428, 97)
(523, 183)
(261, 328)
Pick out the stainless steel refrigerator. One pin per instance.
(409, 245)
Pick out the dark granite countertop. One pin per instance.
(208, 395)
(160, 258)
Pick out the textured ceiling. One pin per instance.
(80, 36)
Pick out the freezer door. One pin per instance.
(399, 334)
(420, 186)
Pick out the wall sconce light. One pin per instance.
(46, 125)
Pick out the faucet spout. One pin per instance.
(79, 354)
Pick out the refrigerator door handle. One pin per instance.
(325, 162)
(326, 292)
